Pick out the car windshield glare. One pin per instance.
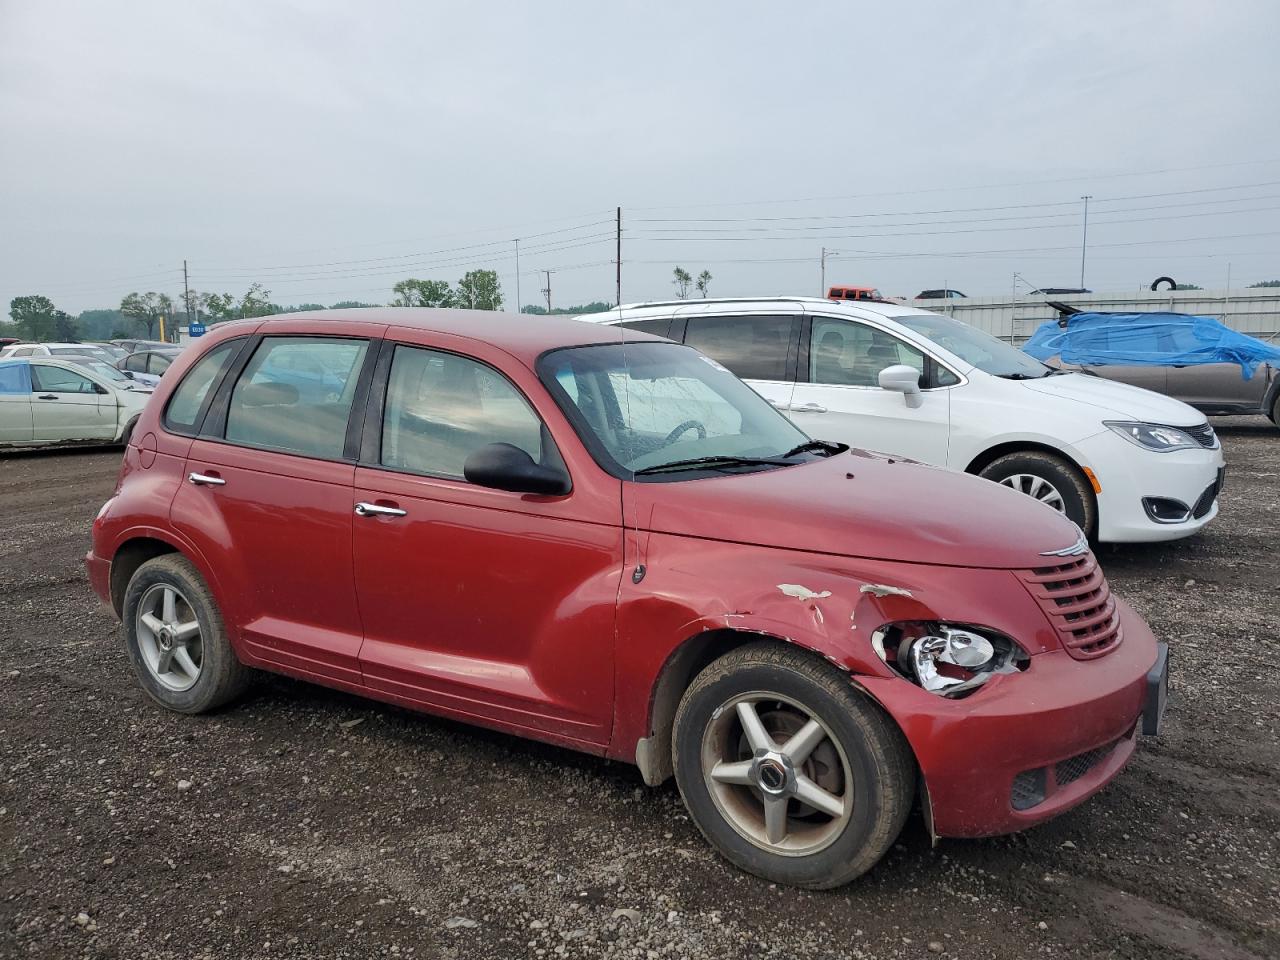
(974, 346)
(643, 405)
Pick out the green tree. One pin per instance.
(350, 305)
(479, 290)
(1186, 286)
(102, 324)
(146, 309)
(682, 281)
(422, 293)
(704, 282)
(1264, 283)
(256, 302)
(34, 317)
(596, 306)
(65, 327)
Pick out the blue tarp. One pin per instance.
(15, 376)
(1148, 339)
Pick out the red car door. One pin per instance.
(490, 606)
(266, 498)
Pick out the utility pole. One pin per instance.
(1084, 235)
(186, 293)
(519, 308)
(618, 259)
(826, 253)
(547, 290)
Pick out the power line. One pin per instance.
(958, 189)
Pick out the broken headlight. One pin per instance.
(947, 659)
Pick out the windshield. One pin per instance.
(653, 404)
(99, 369)
(980, 349)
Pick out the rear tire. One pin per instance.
(830, 815)
(128, 432)
(176, 639)
(1052, 480)
(1275, 410)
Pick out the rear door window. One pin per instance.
(441, 408)
(753, 347)
(295, 395)
(15, 378)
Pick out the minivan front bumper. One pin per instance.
(1028, 746)
(1133, 479)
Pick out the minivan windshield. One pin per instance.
(659, 410)
(980, 349)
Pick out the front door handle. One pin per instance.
(205, 480)
(364, 509)
(808, 408)
(46, 396)
(779, 405)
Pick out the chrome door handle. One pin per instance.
(779, 405)
(204, 480)
(364, 509)
(809, 408)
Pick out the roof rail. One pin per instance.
(693, 302)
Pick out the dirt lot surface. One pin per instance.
(306, 823)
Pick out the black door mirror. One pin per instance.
(506, 467)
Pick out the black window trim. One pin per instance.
(182, 430)
(212, 419)
(931, 363)
(791, 368)
(369, 441)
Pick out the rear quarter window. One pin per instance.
(186, 406)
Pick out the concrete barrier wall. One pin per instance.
(1255, 312)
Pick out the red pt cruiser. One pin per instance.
(605, 540)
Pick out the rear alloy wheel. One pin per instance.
(176, 639)
(1050, 479)
(788, 770)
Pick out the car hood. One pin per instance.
(1121, 399)
(861, 504)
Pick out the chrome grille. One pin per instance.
(1078, 600)
(1202, 434)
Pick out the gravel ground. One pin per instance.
(307, 823)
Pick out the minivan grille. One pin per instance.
(1078, 600)
(1202, 434)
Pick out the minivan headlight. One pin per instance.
(946, 659)
(1152, 436)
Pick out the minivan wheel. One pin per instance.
(788, 770)
(1052, 480)
(176, 638)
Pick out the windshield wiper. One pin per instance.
(830, 446)
(700, 463)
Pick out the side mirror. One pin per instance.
(905, 380)
(506, 467)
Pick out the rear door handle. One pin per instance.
(364, 509)
(46, 396)
(205, 480)
(809, 408)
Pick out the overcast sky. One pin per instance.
(329, 149)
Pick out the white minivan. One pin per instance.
(1124, 463)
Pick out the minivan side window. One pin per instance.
(185, 404)
(659, 328)
(753, 347)
(848, 354)
(295, 395)
(441, 408)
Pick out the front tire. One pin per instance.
(1053, 480)
(176, 639)
(788, 771)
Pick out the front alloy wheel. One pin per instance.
(776, 774)
(788, 769)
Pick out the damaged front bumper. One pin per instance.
(1030, 745)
